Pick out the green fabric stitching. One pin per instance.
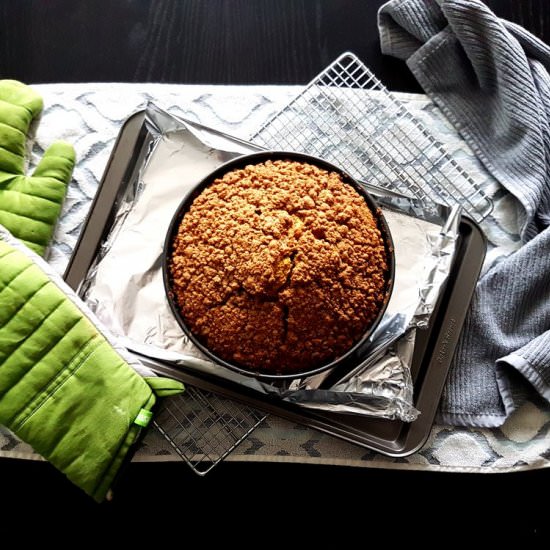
(24, 217)
(57, 382)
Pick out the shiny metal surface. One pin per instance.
(125, 286)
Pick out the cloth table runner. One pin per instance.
(91, 115)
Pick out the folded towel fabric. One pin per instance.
(490, 78)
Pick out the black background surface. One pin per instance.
(246, 42)
(205, 41)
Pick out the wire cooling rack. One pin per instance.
(346, 115)
(204, 427)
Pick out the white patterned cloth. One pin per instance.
(90, 117)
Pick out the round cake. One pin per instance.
(279, 267)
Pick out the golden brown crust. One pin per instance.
(279, 267)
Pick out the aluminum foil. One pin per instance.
(125, 288)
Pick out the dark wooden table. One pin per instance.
(247, 42)
(205, 41)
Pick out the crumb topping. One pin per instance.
(279, 267)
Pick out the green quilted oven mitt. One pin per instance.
(29, 205)
(64, 387)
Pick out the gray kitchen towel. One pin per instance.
(490, 78)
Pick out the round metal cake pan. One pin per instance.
(354, 353)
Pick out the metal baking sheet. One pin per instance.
(433, 349)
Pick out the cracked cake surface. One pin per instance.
(279, 267)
